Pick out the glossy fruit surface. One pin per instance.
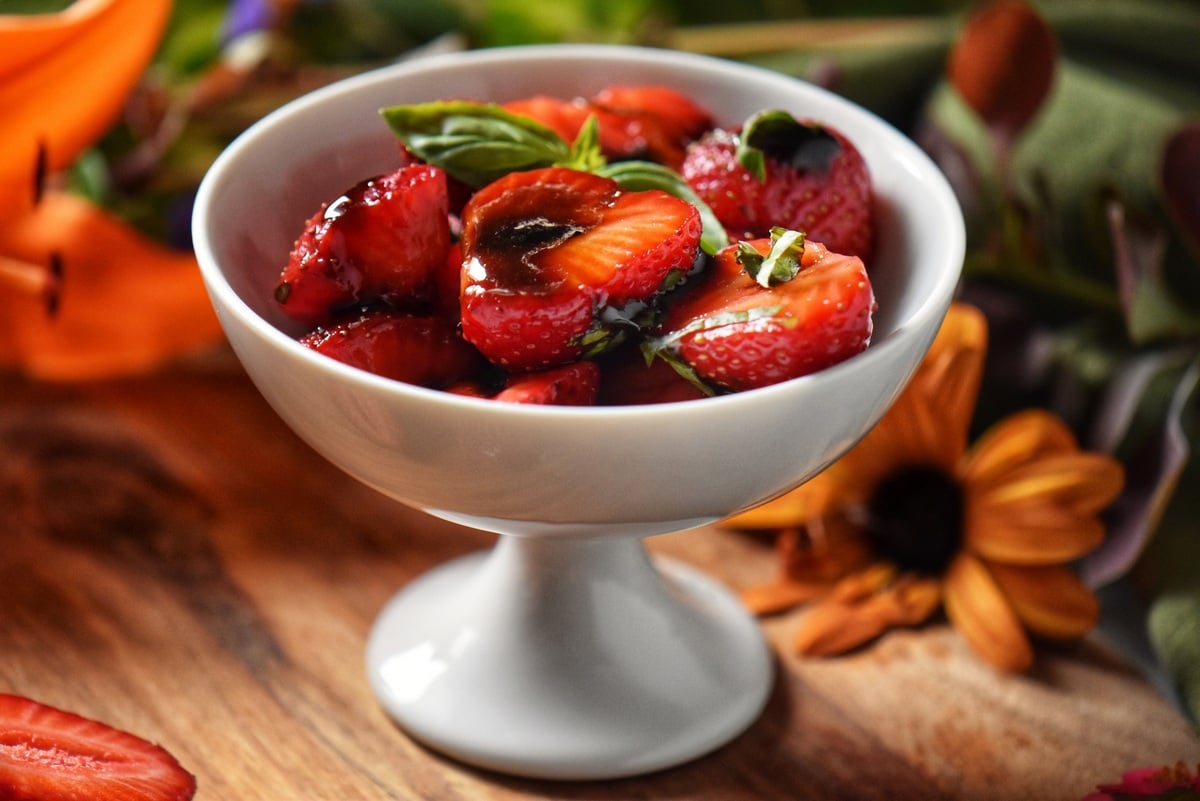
(737, 334)
(384, 239)
(558, 263)
(48, 754)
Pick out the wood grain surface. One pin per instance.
(177, 563)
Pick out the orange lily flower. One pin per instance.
(912, 520)
(124, 302)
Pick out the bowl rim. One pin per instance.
(227, 298)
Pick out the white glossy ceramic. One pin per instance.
(565, 652)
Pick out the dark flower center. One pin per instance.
(916, 519)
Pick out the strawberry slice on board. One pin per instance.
(560, 264)
(421, 349)
(780, 171)
(766, 311)
(386, 239)
(48, 754)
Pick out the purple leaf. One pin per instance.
(1151, 472)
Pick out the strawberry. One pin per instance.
(425, 350)
(47, 754)
(627, 379)
(777, 171)
(384, 239)
(654, 123)
(660, 121)
(559, 264)
(766, 311)
(574, 384)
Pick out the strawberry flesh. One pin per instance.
(741, 335)
(384, 239)
(48, 754)
(557, 263)
(575, 384)
(425, 350)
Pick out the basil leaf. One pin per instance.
(639, 175)
(586, 154)
(476, 143)
(780, 265)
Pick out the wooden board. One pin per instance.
(177, 563)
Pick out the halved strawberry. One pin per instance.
(737, 331)
(48, 754)
(575, 384)
(650, 122)
(384, 239)
(660, 121)
(558, 264)
(420, 349)
(782, 172)
(627, 379)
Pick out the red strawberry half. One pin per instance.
(655, 123)
(47, 754)
(734, 333)
(425, 350)
(384, 239)
(575, 384)
(558, 263)
(781, 172)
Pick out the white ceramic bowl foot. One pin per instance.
(569, 659)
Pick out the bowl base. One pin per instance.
(569, 659)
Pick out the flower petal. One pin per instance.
(1051, 600)
(1029, 535)
(1083, 483)
(980, 612)
(1018, 439)
(860, 608)
(63, 80)
(126, 303)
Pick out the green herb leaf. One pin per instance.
(780, 265)
(475, 143)
(758, 130)
(639, 175)
(586, 154)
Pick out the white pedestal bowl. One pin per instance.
(565, 652)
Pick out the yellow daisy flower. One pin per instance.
(912, 520)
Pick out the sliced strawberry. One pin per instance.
(384, 239)
(564, 117)
(627, 379)
(660, 121)
(47, 754)
(575, 384)
(425, 350)
(814, 180)
(734, 333)
(558, 263)
(654, 123)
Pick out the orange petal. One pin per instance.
(63, 80)
(1018, 439)
(1029, 535)
(782, 594)
(1083, 483)
(953, 371)
(842, 623)
(126, 302)
(980, 612)
(1051, 601)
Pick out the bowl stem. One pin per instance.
(568, 659)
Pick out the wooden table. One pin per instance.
(177, 563)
